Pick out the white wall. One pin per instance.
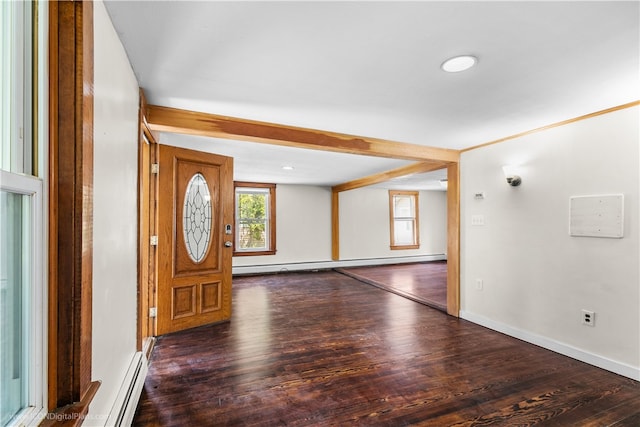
(537, 278)
(364, 224)
(303, 227)
(115, 217)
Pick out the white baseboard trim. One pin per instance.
(619, 368)
(323, 265)
(124, 407)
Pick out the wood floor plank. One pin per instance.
(324, 349)
(423, 282)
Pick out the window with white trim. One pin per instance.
(23, 305)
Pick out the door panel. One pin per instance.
(201, 244)
(195, 203)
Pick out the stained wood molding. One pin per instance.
(165, 119)
(335, 226)
(70, 206)
(147, 185)
(453, 239)
(72, 415)
(554, 125)
(420, 167)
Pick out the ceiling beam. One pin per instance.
(420, 167)
(165, 119)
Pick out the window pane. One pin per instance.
(403, 207)
(252, 218)
(403, 232)
(14, 278)
(15, 86)
(196, 221)
(6, 61)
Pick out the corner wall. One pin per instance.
(536, 277)
(115, 220)
(364, 224)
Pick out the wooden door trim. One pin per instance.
(70, 208)
(146, 228)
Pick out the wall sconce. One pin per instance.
(511, 173)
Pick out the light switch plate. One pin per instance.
(477, 220)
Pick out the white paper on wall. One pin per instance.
(597, 216)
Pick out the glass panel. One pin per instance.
(197, 218)
(253, 220)
(6, 61)
(403, 206)
(403, 232)
(15, 86)
(14, 279)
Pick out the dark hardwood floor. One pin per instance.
(424, 282)
(324, 349)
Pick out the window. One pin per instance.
(255, 219)
(403, 214)
(22, 321)
(22, 240)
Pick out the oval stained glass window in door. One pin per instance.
(196, 218)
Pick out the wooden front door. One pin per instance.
(195, 235)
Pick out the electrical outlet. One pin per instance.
(479, 284)
(588, 318)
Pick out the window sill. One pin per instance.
(254, 253)
(395, 248)
(72, 415)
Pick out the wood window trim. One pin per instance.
(272, 217)
(416, 230)
(70, 388)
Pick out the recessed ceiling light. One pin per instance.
(288, 168)
(459, 63)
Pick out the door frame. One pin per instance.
(148, 188)
(147, 227)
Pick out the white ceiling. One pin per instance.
(373, 69)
